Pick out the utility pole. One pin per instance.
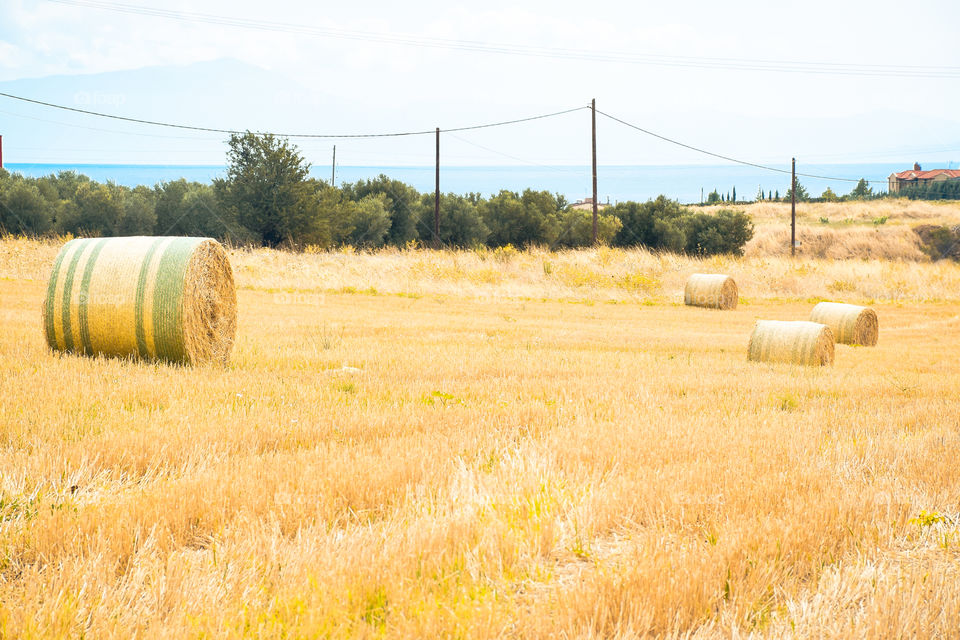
(793, 206)
(593, 119)
(333, 170)
(436, 198)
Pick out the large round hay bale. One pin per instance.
(713, 290)
(796, 342)
(169, 299)
(850, 323)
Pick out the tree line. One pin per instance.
(945, 190)
(862, 191)
(268, 198)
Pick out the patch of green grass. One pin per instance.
(787, 401)
(377, 609)
(927, 518)
(442, 398)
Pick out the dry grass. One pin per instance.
(860, 212)
(879, 229)
(422, 444)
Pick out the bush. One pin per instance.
(139, 213)
(23, 209)
(62, 186)
(574, 228)
(369, 221)
(400, 200)
(460, 222)
(946, 190)
(939, 242)
(726, 232)
(655, 223)
(194, 209)
(519, 220)
(663, 224)
(97, 211)
(168, 205)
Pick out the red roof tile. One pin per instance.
(927, 175)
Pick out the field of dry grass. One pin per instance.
(871, 228)
(494, 444)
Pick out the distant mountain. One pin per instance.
(223, 94)
(228, 94)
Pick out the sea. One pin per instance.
(687, 184)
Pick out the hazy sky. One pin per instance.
(827, 81)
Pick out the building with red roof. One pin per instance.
(919, 177)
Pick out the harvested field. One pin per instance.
(421, 444)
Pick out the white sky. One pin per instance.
(352, 86)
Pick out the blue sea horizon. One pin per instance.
(616, 183)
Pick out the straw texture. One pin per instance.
(850, 323)
(170, 299)
(796, 342)
(713, 290)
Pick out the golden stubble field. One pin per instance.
(495, 444)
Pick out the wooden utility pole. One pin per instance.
(436, 198)
(793, 206)
(593, 127)
(333, 169)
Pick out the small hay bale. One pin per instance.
(170, 299)
(796, 342)
(712, 290)
(850, 323)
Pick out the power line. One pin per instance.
(127, 133)
(286, 135)
(742, 64)
(416, 133)
(729, 158)
(500, 124)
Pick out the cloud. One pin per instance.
(361, 84)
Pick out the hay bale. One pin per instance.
(169, 299)
(713, 290)
(796, 342)
(850, 323)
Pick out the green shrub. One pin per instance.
(655, 223)
(574, 228)
(665, 225)
(460, 222)
(939, 242)
(23, 209)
